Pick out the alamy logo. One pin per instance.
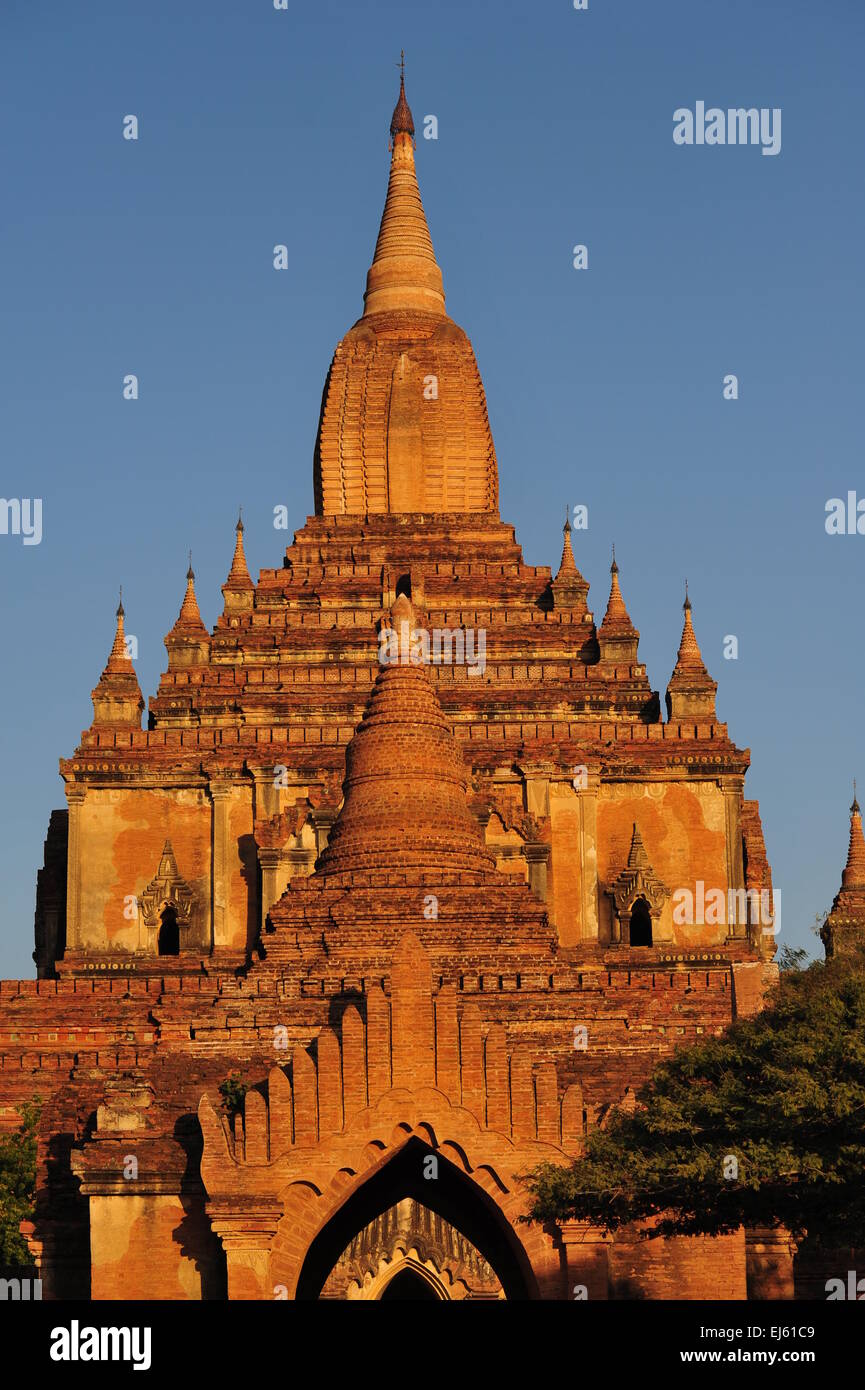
(75, 1343)
(736, 126)
(712, 907)
(21, 516)
(845, 519)
(20, 1290)
(447, 646)
(854, 1291)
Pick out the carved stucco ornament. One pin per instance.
(638, 880)
(167, 889)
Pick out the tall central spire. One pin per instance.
(403, 426)
(404, 273)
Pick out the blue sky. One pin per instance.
(604, 386)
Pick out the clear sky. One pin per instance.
(605, 385)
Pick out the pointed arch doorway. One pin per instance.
(410, 1285)
(411, 1252)
(452, 1195)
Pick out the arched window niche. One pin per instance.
(168, 939)
(641, 924)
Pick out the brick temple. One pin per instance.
(399, 847)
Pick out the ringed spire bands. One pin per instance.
(404, 425)
(405, 786)
(404, 273)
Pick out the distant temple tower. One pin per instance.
(843, 932)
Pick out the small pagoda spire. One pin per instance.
(188, 642)
(404, 273)
(854, 872)
(238, 575)
(569, 588)
(189, 617)
(568, 565)
(843, 932)
(618, 639)
(690, 657)
(691, 691)
(117, 698)
(119, 658)
(617, 615)
(238, 591)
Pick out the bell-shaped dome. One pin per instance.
(405, 802)
(404, 425)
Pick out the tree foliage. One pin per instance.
(18, 1185)
(762, 1126)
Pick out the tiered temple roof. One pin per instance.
(406, 496)
(296, 662)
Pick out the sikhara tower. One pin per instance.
(241, 765)
(402, 846)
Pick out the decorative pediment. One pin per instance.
(638, 880)
(167, 889)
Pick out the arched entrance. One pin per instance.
(409, 1284)
(451, 1193)
(411, 1235)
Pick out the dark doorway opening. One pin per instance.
(641, 924)
(403, 586)
(452, 1194)
(408, 1284)
(168, 942)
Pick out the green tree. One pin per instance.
(18, 1185)
(763, 1126)
(789, 958)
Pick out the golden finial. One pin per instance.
(401, 121)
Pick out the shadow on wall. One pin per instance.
(251, 872)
